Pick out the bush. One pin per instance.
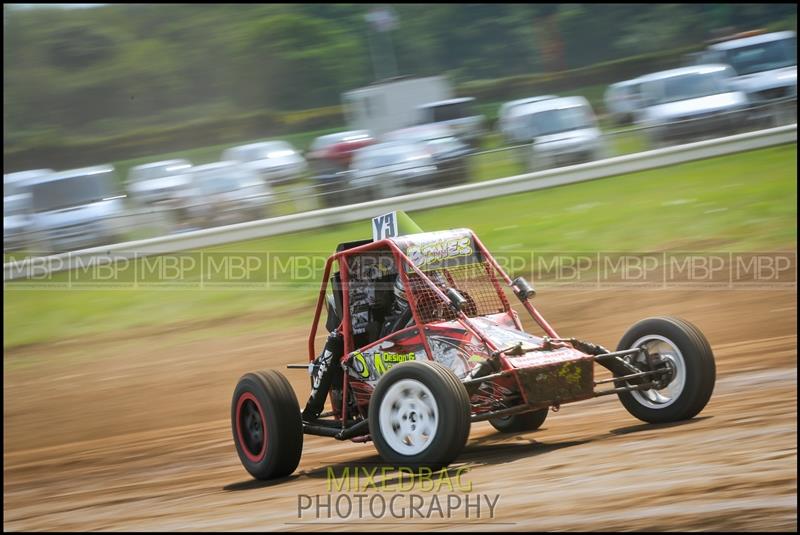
(602, 73)
(58, 153)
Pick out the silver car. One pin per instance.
(623, 101)
(690, 102)
(158, 182)
(457, 115)
(450, 155)
(765, 65)
(225, 193)
(510, 121)
(16, 208)
(275, 161)
(564, 132)
(75, 209)
(389, 169)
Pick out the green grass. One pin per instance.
(741, 202)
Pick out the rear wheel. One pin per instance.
(679, 347)
(419, 415)
(266, 425)
(519, 423)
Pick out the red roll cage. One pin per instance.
(402, 259)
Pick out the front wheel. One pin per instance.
(419, 415)
(684, 390)
(266, 425)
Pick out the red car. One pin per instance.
(423, 342)
(329, 158)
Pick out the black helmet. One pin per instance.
(399, 289)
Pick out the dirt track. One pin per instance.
(137, 437)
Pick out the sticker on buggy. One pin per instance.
(435, 250)
(392, 225)
(370, 363)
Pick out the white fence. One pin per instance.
(416, 201)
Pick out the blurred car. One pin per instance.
(16, 207)
(158, 182)
(336, 150)
(508, 118)
(450, 155)
(74, 209)
(225, 193)
(329, 159)
(563, 131)
(388, 169)
(276, 162)
(622, 100)
(765, 65)
(456, 114)
(690, 102)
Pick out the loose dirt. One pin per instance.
(133, 433)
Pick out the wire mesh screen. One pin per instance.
(476, 282)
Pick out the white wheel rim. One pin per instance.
(409, 417)
(666, 349)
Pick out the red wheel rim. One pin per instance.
(247, 427)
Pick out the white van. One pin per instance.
(456, 114)
(510, 120)
(687, 103)
(16, 208)
(75, 209)
(623, 101)
(159, 182)
(765, 65)
(393, 104)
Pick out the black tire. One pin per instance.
(699, 367)
(452, 405)
(266, 400)
(519, 423)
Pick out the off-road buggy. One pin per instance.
(458, 355)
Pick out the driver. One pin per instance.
(326, 368)
(400, 312)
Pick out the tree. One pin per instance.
(294, 61)
(112, 69)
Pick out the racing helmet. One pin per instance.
(399, 290)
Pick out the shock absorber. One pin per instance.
(322, 372)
